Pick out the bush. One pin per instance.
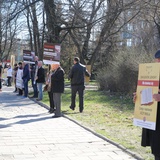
(121, 74)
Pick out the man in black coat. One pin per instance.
(26, 78)
(57, 88)
(77, 76)
(34, 69)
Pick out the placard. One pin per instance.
(145, 106)
(51, 53)
(29, 56)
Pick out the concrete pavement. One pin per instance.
(27, 132)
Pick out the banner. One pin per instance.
(29, 56)
(51, 53)
(145, 107)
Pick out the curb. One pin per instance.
(93, 132)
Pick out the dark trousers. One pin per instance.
(25, 81)
(80, 90)
(157, 158)
(50, 95)
(20, 91)
(9, 81)
(34, 86)
(57, 102)
(0, 83)
(15, 85)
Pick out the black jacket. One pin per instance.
(57, 81)
(77, 73)
(40, 75)
(33, 69)
(152, 137)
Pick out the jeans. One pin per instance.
(25, 81)
(40, 90)
(35, 89)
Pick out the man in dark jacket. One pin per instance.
(57, 88)
(77, 76)
(1, 76)
(26, 78)
(40, 80)
(34, 69)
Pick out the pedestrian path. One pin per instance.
(27, 132)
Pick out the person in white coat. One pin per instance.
(9, 75)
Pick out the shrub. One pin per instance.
(121, 74)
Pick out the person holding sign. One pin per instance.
(57, 88)
(152, 137)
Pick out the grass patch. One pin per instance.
(108, 115)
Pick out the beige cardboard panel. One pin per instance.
(148, 84)
(87, 79)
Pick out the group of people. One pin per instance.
(55, 85)
(23, 72)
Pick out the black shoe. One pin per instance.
(51, 110)
(72, 108)
(81, 110)
(55, 116)
(38, 99)
(33, 97)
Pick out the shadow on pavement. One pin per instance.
(29, 121)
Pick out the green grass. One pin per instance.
(108, 115)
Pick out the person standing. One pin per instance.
(26, 78)
(14, 75)
(50, 94)
(40, 80)
(57, 88)
(1, 76)
(9, 75)
(152, 137)
(77, 76)
(34, 69)
(19, 80)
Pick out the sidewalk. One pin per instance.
(27, 132)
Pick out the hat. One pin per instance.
(157, 54)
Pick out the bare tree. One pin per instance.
(7, 30)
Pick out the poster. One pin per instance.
(145, 107)
(29, 56)
(88, 67)
(12, 60)
(51, 53)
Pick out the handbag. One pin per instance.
(45, 89)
